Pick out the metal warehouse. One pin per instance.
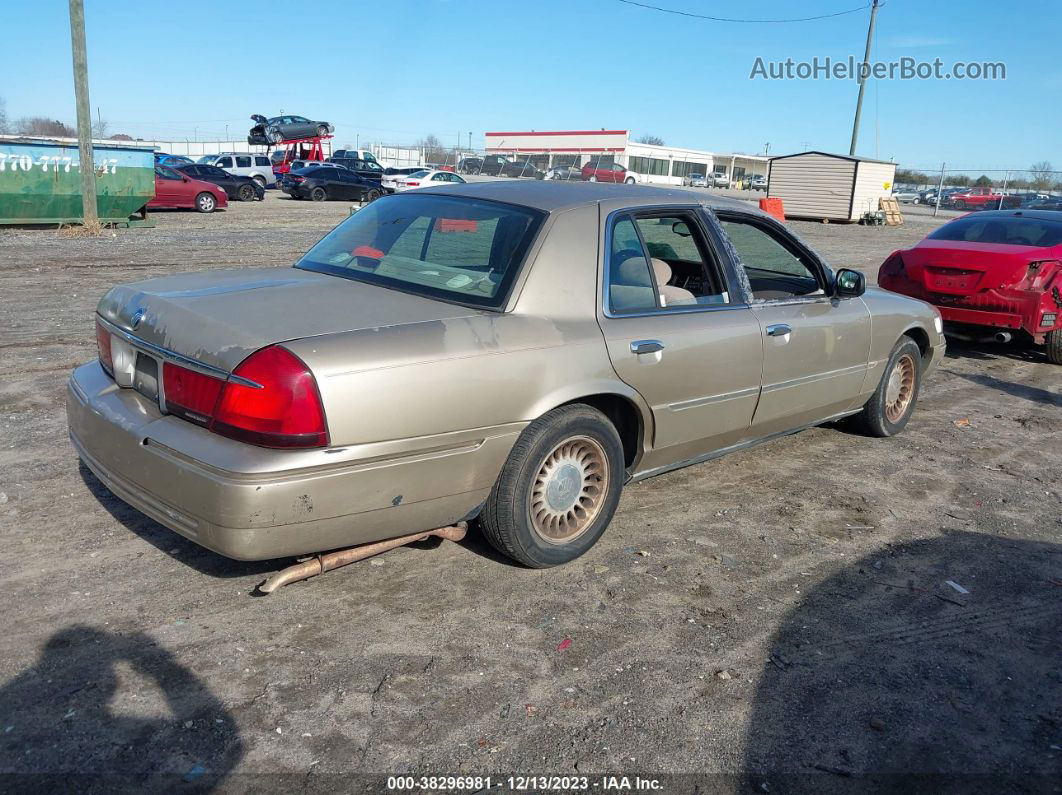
(827, 187)
(663, 165)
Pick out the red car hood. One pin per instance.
(958, 268)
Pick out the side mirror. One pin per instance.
(849, 283)
(184, 179)
(680, 229)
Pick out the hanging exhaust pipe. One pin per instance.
(343, 557)
(1002, 336)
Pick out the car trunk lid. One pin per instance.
(954, 267)
(221, 317)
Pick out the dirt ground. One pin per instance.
(779, 620)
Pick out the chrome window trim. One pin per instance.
(176, 358)
(606, 269)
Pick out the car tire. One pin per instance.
(893, 402)
(629, 180)
(260, 180)
(322, 131)
(319, 194)
(571, 456)
(960, 205)
(372, 196)
(593, 179)
(205, 202)
(1054, 346)
(246, 193)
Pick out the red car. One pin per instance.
(991, 275)
(982, 199)
(174, 189)
(600, 171)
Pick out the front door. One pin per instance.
(815, 347)
(677, 333)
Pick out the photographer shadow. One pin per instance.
(886, 678)
(61, 731)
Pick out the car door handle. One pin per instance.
(646, 346)
(778, 330)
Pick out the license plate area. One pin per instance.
(952, 280)
(146, 376)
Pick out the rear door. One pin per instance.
(677, 331)
(815, 347)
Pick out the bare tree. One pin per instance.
(44, 127)
(434, 151)
(652, 140)
(100, 128)
(3, 117)
(1041, 172)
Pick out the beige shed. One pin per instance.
(821, 186)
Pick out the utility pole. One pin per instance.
(863, 79)
(90, 218)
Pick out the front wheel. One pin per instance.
(246, 193)
(593, 179)
(322, 131)
(372, 196)
(893, 402)
(558, 490)
(205, 202)
(960, 205)
(1054, 346)
(629, 180)
(319, 194)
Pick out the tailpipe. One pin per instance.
(1002, 336)
(319, 564)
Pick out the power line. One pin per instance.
(731, 19)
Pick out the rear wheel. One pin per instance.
(1054, 346)
(246, 193)
(960, 205)
(205, 202)
(259, 179)
(629, 180)
(593, 179)
(893, 402)
(558, 489)
(322, 130)
(319, 194)
(372, 196)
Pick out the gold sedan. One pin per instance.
(511, 352)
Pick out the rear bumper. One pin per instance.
(252, 503)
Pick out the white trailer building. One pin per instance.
(662, 165)
(826, 187)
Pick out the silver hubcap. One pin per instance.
(569, 490)
(899, 390)
(206, 203)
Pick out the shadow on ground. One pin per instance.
(886, 678)
(85, 717)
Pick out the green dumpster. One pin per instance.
(40, 182)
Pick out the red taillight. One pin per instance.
(411, 184)
(285, 412)
(103, 345)
(892, 267)
(298, 179)
(189, 394)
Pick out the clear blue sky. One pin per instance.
(395, 71)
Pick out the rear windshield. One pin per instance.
(456, 249)
(1012, 230)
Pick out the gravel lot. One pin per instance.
(778, 620)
